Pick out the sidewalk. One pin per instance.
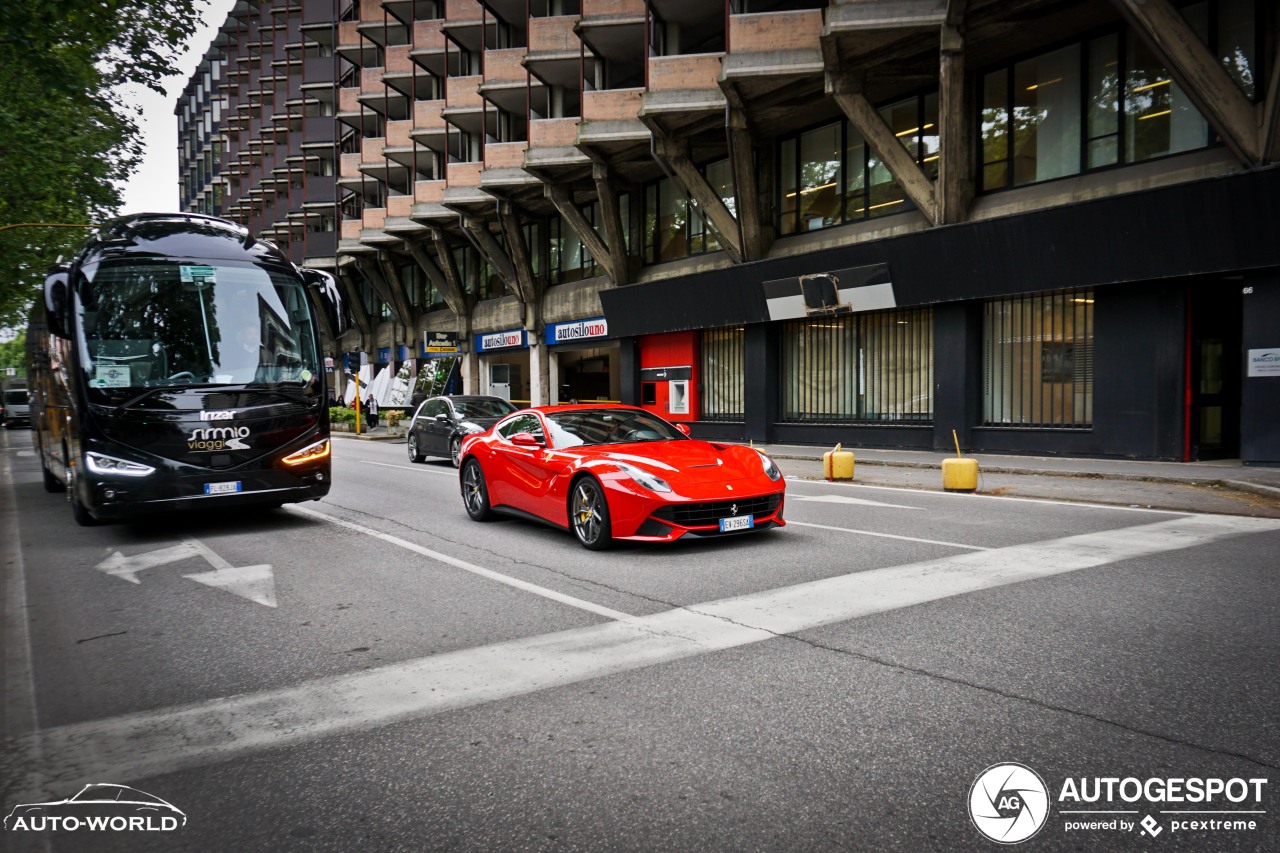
(1224, 486)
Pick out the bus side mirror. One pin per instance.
(330, 298)
(55, 302)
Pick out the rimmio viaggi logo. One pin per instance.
(98, 808)
(1009, 803)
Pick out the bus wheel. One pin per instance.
(78, 511)
(51, 483)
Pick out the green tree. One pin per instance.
(14, 353)
(67, 140)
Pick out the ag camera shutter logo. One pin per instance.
(1008, 803)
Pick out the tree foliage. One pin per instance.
(67, 140)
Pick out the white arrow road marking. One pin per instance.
(166, 740)
(128, 567)
(256, 583)
(842, 499)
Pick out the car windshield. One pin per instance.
(579, 427)
(13, 398)
(152, 324)
(494, 408)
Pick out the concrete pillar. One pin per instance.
(538, 374)
(553, 377)
(470, 369)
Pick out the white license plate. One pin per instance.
(222, 488)
(744, 522)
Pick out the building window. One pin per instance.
(1105, 101)
(569, 258)
(1038, 360)
(723, 374)
(673, 226)
(829, 175)
(867, 368)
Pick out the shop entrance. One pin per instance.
(588, 375)
(1215, 376)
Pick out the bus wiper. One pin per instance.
(129, 404)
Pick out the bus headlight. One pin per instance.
(101, 463)
(310, 453)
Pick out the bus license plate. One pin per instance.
(743, 522)
(222, 488)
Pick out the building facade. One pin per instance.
(257, 140)
(1048, 225)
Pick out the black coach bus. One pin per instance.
(176, 364)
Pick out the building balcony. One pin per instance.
(553, 147)
(428, 49)
(611, 118)
(614, 29)
(554, 52)
(353, 48)
(771, 50)
(504, 168)
(684, 83)
(429, 127)
(384, 30)
(464, 108)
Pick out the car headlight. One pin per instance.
(100, 463)
(770, 467)
(644, 478)
(310, 453)
(468, 427)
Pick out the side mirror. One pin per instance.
(55, 302)
(525, 439)
(684, 428)
(443, 418)
(330, 298)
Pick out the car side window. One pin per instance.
(527, 422)
(435, 407)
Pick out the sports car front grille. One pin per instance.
(701, 514)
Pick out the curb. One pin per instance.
(1239, 485)
(366, 436)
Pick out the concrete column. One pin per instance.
(553, 377)
(538, 374)
(469, 365)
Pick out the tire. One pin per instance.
(475, 493)
(455, 450)
(415, 455)
(78, 510)
(589, 515)
(51, 483)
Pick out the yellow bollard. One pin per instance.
(837, 464)
(959, 474)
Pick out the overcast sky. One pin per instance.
(154, 187)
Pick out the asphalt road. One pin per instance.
(377, 672)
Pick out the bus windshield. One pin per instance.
(164, 323)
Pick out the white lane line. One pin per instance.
(450, 473)
(972, 496)
(791, 522)
(845, 499)
(166, 740)
(464, 565)
(24, 759)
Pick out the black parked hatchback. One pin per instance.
(441, 423)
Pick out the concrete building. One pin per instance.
(257, 141)
(1048, 225)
